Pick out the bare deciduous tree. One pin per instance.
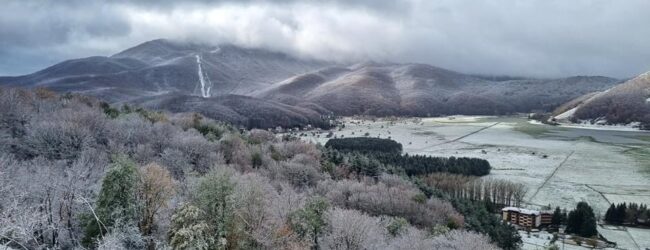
(351, 229)
(155, 189)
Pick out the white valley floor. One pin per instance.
(561, 166)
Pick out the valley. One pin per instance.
(559, 165)
(254, 88)
(324, 125)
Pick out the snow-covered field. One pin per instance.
(626, 237)
(560, 165)
(542, 241)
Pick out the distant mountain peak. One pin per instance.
(207, 71)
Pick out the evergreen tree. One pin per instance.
(582, 221)
(189, 230)
(588, 227)
(620, 213)
(362, 164)
(632, 213)
(310, 221)
(610, 215)
(116, 201)
(214, 196)
(558, 218)
(479, 218)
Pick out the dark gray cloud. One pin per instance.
(541, 38)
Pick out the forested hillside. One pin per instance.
(626, 103)
(79, 173)
(385, 89)
(264, 89)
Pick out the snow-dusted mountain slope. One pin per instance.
(424, 90)
(626, 103)
(162, 66)
(202, 75)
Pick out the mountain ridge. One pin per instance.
(163, 68)
(425, 90)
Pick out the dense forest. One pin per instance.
(389, 152)
(629, 214)
(76, 173)
(475, 199)
(365, 144)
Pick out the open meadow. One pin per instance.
(560, 165)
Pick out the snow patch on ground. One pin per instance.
(641, 237)
(542, 240)
(454, 119)
(634, 126)
(619, 235)
(204, 80)
(601, 125)
(566, 115)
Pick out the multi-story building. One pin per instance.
(522, 217)
(547, 216)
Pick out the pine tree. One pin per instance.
(588, 227)
(610, 214)
(620, 213)
(557, 218)
(582, 221)
(631, 213)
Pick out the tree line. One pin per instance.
(580, 221)
(370, 155)
(497, 193)
(479, 215)
(365, 144)
(628, 214)
(474, 198)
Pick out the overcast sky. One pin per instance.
(539, 38)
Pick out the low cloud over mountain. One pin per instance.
(534, 38)
(260, 88)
